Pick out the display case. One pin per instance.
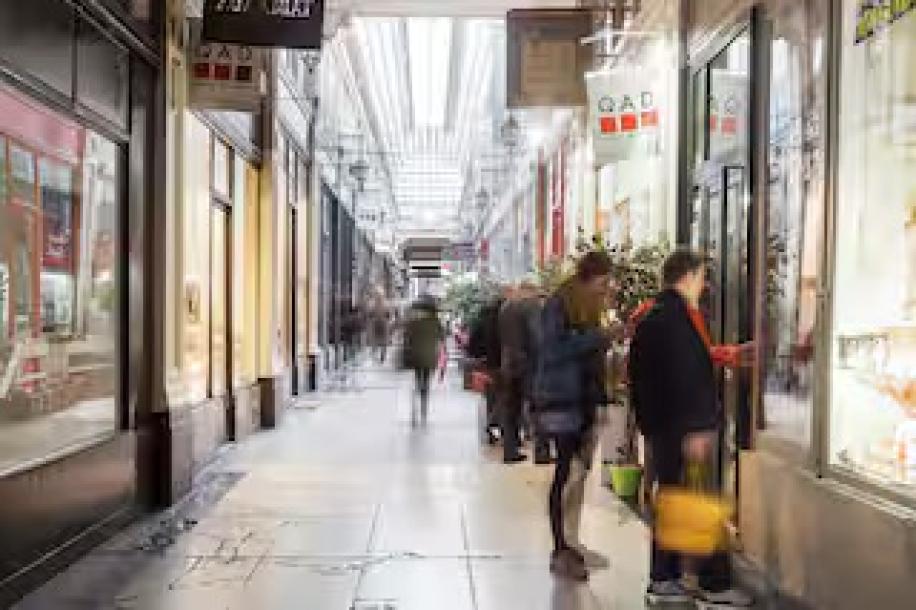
(873, 383)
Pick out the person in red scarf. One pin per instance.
(729, 356)
(674, 395)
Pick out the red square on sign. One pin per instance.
(730, 125)
(628, 122)
(649, 118)
(202, 70)
(222, 72)
(608, 124)
(713, 122)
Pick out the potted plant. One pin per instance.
(636, 271)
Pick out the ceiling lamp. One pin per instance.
(510, 133)
(360, 171)
(482, 198)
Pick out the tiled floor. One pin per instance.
(347, 506)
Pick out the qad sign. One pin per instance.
(624, 116)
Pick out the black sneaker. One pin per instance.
(515, 459)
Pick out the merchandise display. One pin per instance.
(873, 393)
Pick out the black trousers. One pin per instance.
(714, 572)
(423, 376)
(510, 406)
(567, 493)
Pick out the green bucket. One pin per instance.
(626, 480)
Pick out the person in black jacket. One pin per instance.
(675, 398)
(485, 346)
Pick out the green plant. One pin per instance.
(465, 298)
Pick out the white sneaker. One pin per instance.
(730, 598)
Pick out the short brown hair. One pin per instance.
(678, 264)
(593, 264)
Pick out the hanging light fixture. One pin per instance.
(360, 171)
(510, 133)
(482, 198)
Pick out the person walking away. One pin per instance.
(674, 395)
(515, 370)
(380, 328)
(423, 336)
(568, 388)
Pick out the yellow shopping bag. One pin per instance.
(691, 521)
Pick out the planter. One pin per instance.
(626, 479)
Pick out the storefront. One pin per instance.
(76, 88)
(800, 159)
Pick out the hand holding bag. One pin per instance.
(689, 520)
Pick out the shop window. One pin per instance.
(22, 176)
(37, 38)
(795, 203)
(58, 353)
(222, 171)
(56, 256)
(102, 74)
(873, 394)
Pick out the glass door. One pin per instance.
(720, 228)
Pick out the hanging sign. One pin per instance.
(546, 61)
(295, 24)
(224, 76)
(875, 15)
(624, 116)
(728, 102)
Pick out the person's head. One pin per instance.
(685, 271)
(593, 272)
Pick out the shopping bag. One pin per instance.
(690, 520)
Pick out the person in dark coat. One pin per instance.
(516, 365)
(485, 346)
(569, 385)
(423, 336)
(675, 397)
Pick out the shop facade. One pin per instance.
(797, 181)
(78, 96)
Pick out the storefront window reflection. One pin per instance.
(57, 283)
(873, 415)
(795, 196)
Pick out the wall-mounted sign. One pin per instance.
(224, 76)
(624, 115)
(875, 15)
(295, 24)
(546, 61)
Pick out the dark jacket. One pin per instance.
(423, 335)
(570, 371)
(672, 381)
(516, 333)
(485, 341)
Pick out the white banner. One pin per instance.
(224, 76)
(623, 114)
